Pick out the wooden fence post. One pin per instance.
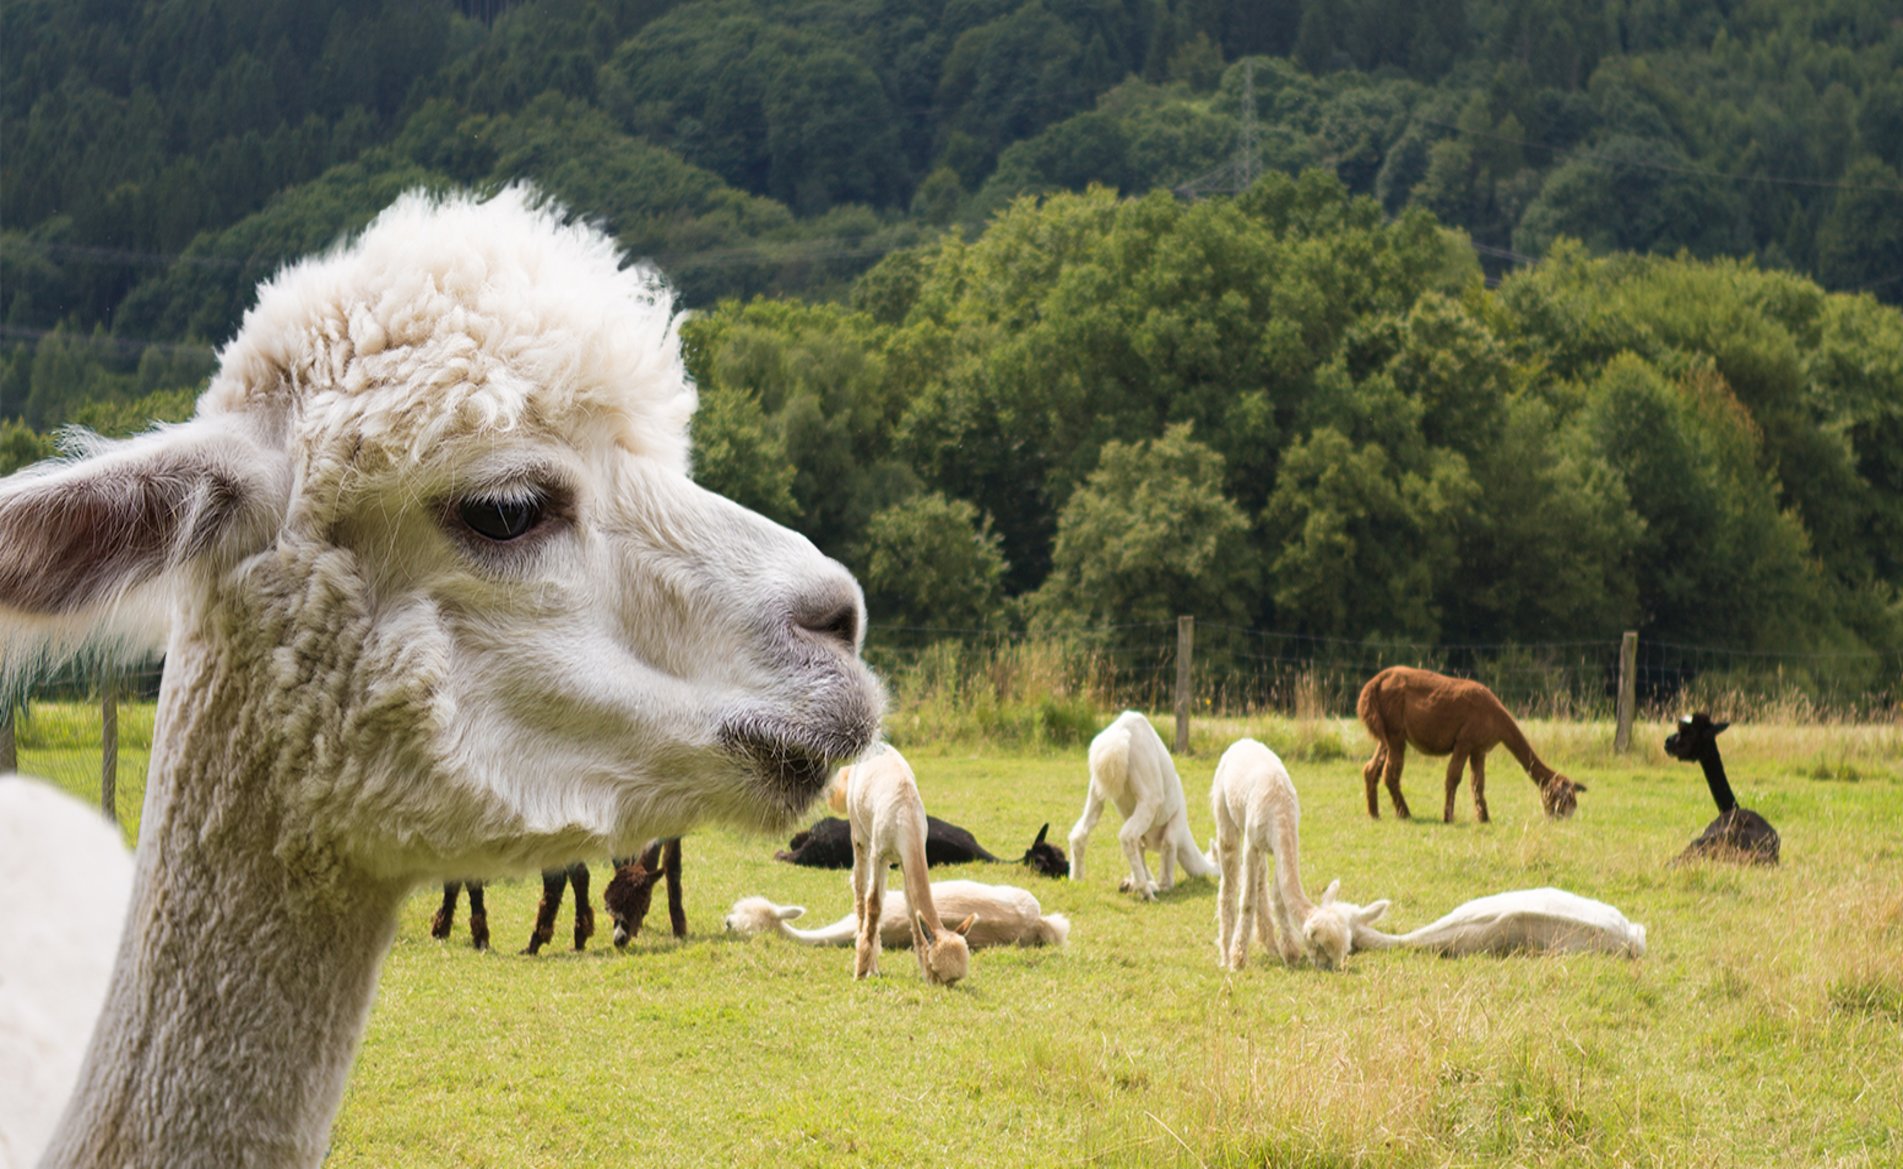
(9, 752)
(1628, 688)
(109, 748)
(1185, 701)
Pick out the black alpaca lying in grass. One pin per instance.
(828, 845)
(628, 896)
(1738, 834)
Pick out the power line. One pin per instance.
(1573, 153)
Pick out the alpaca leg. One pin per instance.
(554, 885)
(1371, 779)
(584, 908)
(1228, 896)
(1166, 866)
(1397, 759)
(1456, 764)
(1277, 917)
(478, 917)
(865, 909)
(1080, 832)
(445, 917)
(1479, 761)
(676, 912)
(1131, 837)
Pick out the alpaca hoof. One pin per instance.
(439, 925)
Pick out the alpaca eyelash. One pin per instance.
(507, 521)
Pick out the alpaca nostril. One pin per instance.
(836, 622)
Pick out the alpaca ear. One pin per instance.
(789, 912)
(80, 535)
(1329, 894)
(1716, 727)
(1579, 787)
(964, 927)
(650, 858)
(1372, 913)
(1041, 833)
(925, 928)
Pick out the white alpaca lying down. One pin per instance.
(1523, 921)
(1007, 916)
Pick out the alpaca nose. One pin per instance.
(831, 612)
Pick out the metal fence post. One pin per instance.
(1628, 688)
(1185, 644)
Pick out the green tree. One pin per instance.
(1150, 535)
(931, 562)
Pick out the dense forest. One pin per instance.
(1440, 319)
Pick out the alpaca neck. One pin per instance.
(1288, 868)
(918, 885)
(1515, 742)
(246, 970)
(1715, 779)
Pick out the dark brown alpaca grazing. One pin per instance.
(1738, 835)
(1455, 717)
(628, 896)
(631, 891)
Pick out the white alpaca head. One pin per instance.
(757, 915)
(1329, 929)
(431, 533)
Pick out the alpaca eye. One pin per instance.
(500, 520)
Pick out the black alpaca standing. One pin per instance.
(1738, 834)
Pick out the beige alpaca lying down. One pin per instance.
(1523, 921)
(1007, 916)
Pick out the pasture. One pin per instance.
(1763, 1027)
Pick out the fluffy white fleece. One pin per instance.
(54, 851)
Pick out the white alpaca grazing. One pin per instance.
(1006, 916)
(1523, 921)
(1257, 815)
(441, 598)
(888, 824)
(1129, 766)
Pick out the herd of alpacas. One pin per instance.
(438, 597)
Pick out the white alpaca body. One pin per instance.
(56, 853)
(1523, 921)
(887, 817)
(1130, 767)
(1007, 916)
(439, 597)
(1258, 822)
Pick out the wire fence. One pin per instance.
(1069, 676)
(1239, 671)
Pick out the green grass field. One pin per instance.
(1763, 1027)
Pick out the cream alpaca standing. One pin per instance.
(1005, 916)
(1257, 814)
(441, 598)
(1130, 766)
(888, 824)
(1532, 921)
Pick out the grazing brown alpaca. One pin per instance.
(627, 897)
(631, 891)
(1455, 717)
